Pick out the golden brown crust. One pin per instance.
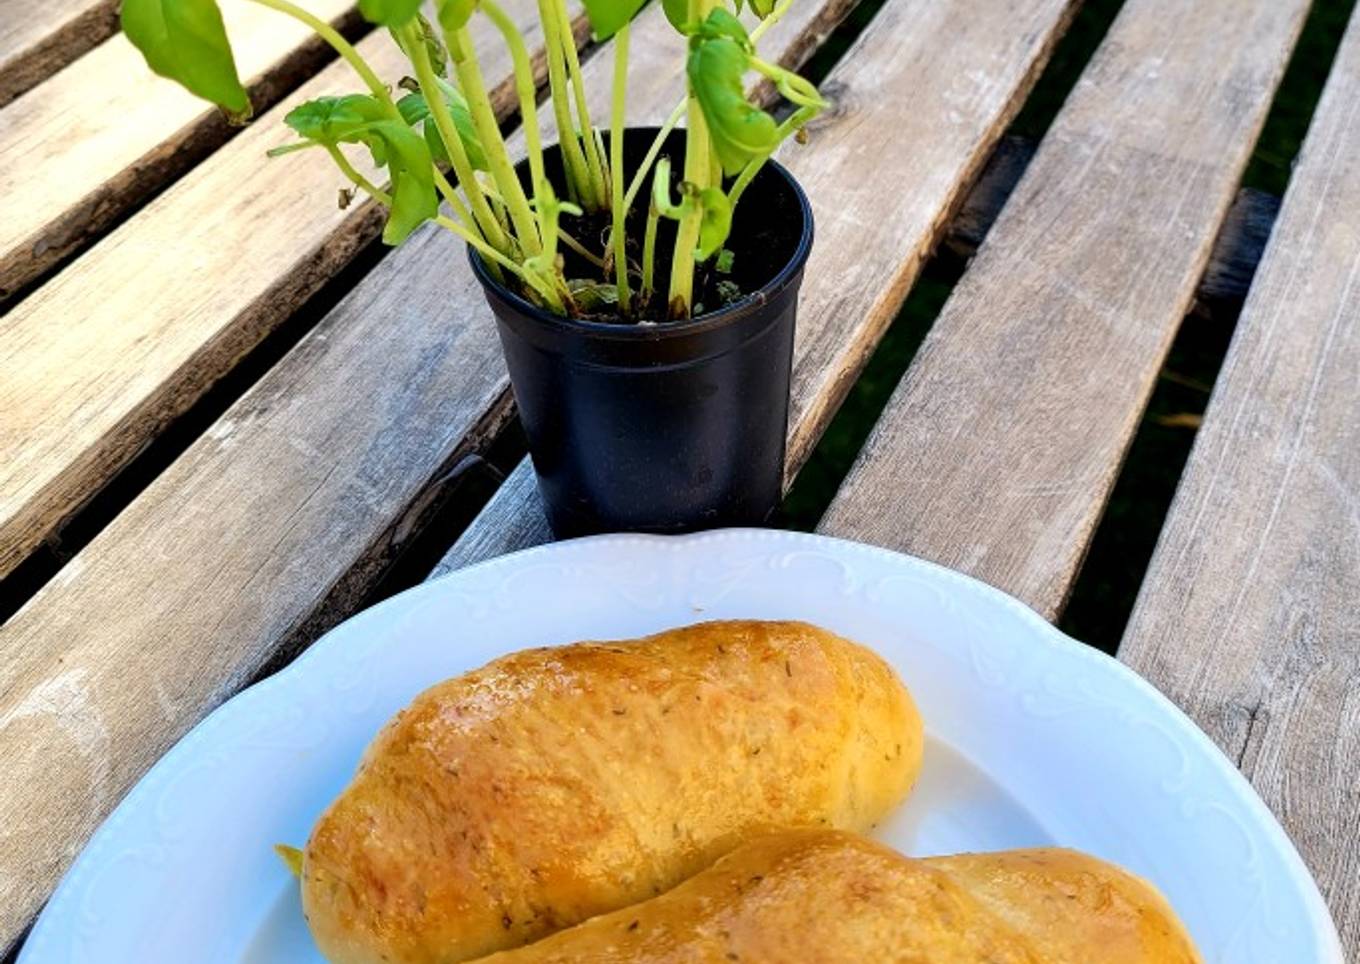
(1063, 900)
(555, 784)
(828, 897)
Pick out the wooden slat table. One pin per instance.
(38, 39)
(71, 163)
(1250, 615)
(995, 455)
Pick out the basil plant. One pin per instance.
(436, 135)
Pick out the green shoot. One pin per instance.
(525, 88)
(484, 116)
(447, 123)
(649, 253)
(578, 176)
(616, 128)
(593, 154)
(457, 153)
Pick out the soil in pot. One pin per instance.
(766, 229)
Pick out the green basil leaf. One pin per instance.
(414, 109)
(677, 12)
(388, 13)
(454, 14)
(716, 222)
(361, 119)
(740, 131)
(405, 151)
(413, 194)
(335, 120)
(721, 23)
(763, 8)
(416, 112)
(607, 16)
(591, 296)
(413, 203)
(186, 41)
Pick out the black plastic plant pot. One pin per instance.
(665, 427)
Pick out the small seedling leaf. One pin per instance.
(335, 120)
(592, 296)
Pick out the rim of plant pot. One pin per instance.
(666, 330)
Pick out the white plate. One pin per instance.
(1033, 739)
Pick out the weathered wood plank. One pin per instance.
(512, 519)
(38, 39)
(267, 530)
(997, 452)
(1232, 262)
(81, 149)
(130, 334)
(1249, 617)
(920, 100)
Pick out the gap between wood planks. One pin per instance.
(1247, 618)
(1121, 551)
(75, 168)
(1122, 547)
(1105, 241)
(38, 39)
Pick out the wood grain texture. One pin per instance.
(81, 149)
(1249, 618)
(97, 360)
(38, 39)
(269, 529)
(1236, 252)
(997, 452)
(919, 102)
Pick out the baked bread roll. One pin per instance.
(556, 784)
(829, 897)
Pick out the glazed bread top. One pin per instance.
(829, 897)
(556, 784)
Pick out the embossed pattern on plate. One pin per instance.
(1033, 739)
